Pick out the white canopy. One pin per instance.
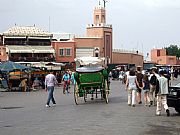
(30, 49)
(89, 61)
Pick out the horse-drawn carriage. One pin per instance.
(91, 79)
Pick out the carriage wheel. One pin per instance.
(106, 92)
(76, 93)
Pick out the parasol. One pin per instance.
(9, 66)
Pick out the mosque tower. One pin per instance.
(100, 29)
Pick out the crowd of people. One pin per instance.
(153, 84)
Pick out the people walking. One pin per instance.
(146, 88)
(50, 81)
(162, 94)
(131, 84)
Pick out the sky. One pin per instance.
(137, 24)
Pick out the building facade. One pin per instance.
(27, 44)
(160, 57)
(98, 39)
(64, 51)
(127, 57)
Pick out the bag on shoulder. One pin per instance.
(153, 80)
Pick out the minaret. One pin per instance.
(101, 30)
(99, 15)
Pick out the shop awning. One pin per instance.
(30, 49)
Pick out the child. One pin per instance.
(146, 88)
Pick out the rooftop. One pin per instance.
(26, 31)
(99, 25)
(127, 51)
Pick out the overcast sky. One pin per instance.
(137, 24)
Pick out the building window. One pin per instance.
(65, 52)
(103, 18)
(97, 18)
(68, 52)
(61, 52)
(158, 53)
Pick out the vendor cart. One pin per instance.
(15, 79)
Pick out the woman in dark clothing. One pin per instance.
(146, 89)
(175, 73)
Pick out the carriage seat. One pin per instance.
(89, 69)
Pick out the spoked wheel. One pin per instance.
(76, 93)
(106, 92)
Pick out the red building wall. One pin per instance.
(159, 56)
(130, 58)
(58, 45)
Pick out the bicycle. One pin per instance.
(66, 87)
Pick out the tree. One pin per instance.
(173, 50)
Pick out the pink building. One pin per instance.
(160, 57)
(98, 39)
(64, 51)
(127, 57)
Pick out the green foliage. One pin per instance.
(173, 50)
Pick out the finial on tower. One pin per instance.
(105, 1)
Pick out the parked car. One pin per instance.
(173, 98)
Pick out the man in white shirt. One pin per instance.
(50, 81)
(162, 94)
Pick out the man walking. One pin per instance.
(162, 94)
(153, 82)
(50, 81)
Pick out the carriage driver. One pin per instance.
(66, 78)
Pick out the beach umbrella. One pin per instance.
(9, 66)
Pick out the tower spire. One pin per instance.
(105, 1)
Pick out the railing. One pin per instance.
(99, 25)
(127, 51)
(31, 59)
